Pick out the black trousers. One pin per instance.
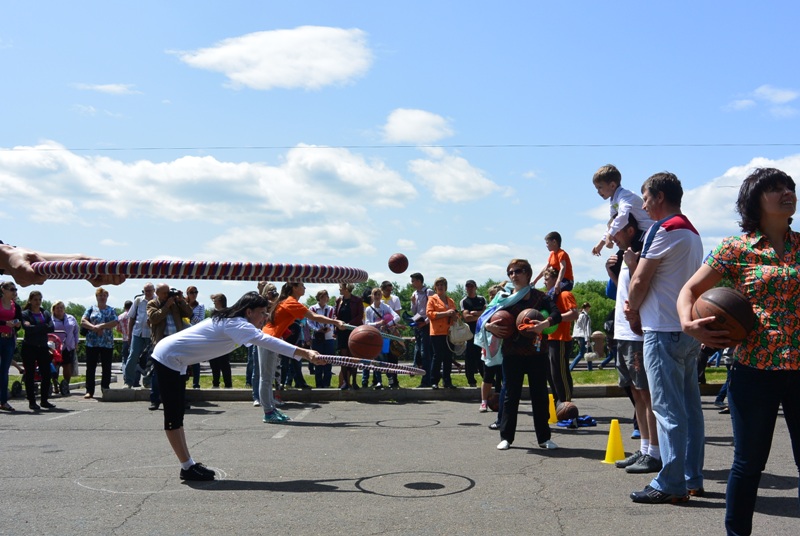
(221, 365)
(515, 367)
(95, 354)
(31, 357)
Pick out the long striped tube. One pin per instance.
(231, 271)
(370, 364)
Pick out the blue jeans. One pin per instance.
(754, 397)
(252, 357)
(581, 350)
(131, 375)
(8, 346)
(670, 360)
(254, 378)
(422, 353)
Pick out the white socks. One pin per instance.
(187, 464)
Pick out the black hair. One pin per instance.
(748, 205)
(555, 235)
(251, 300)
(418, 277)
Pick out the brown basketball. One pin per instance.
(365, 342)
(398, 263)
(506, 319)
(494, 401)
(566, 410)
(733, 311)
(531, 314)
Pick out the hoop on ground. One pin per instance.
(230, 271)
(369, 364)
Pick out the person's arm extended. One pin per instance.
(322, 319)
(16, 261)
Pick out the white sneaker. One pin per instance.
(256, 403)
(549, 445)
(503, 445)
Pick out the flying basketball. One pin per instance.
(398, 263)
(506, 320)
(733, 312)
(365, 342)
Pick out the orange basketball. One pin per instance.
(566, 410)
(531, 314)
(365, 342)
(732, 309)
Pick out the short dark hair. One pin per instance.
(666, 183)
(608, 173)
(748, 205)
(386, 284)
(418, 277)
(554, 236)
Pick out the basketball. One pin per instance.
(531, 314)
(566, 410)
(733, 311)
(365, 342)
(398, 263)
(505, 319)
(494, 401)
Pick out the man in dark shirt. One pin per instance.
(472, 305)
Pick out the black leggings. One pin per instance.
(95, 354)
(172, 387)
(221, 365)
(31, 357)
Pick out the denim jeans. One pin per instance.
(267, 364)
(255, 377)
(422, 353)
(252, 357)
(8, 346)
(581, 350)
(670, 359)
(754, 397)
(131, 374)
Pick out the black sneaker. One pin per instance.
(34, 406)
(630, 460)
(48, 405)
(645, 464)
(153, 406)
(197, 472)
(652, 496)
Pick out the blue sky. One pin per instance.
(459, 133)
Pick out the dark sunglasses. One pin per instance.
(515, 271)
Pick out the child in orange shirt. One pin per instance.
(558, 261)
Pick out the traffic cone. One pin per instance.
(553, 418)
(614, 451)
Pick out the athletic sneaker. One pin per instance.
(651, 495)
(484, 408)
(645, 464)
(549, 445)
(630, 460)
(494, 426)
(636, 434)
(282, 415)
(273, 417)
(197, 472)
(503, 445)
(256, 403)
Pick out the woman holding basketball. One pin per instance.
(763, 264)
(282, 314)
(228, 327)
(523, 356)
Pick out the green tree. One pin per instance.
(594, 292)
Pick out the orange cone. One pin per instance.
(614, 451)
(553, 418)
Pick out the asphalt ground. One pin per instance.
(346, 467)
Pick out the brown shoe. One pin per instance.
(697, 492)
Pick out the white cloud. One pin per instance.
(85, 109)
(309, 182)
(741, 104)
(111, 89)
(451, 178)
(783, 112)
(415, 126)
(406, 244)
(309, 57)
(110, 242)
(775, 95)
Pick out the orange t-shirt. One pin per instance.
(565, 302)
(286, 313)
(555, 259)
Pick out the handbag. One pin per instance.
(459, 332)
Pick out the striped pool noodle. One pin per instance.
(230, 271)
(379, 366)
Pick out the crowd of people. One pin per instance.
(655, 277)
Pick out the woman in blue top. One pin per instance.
(100, 320)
